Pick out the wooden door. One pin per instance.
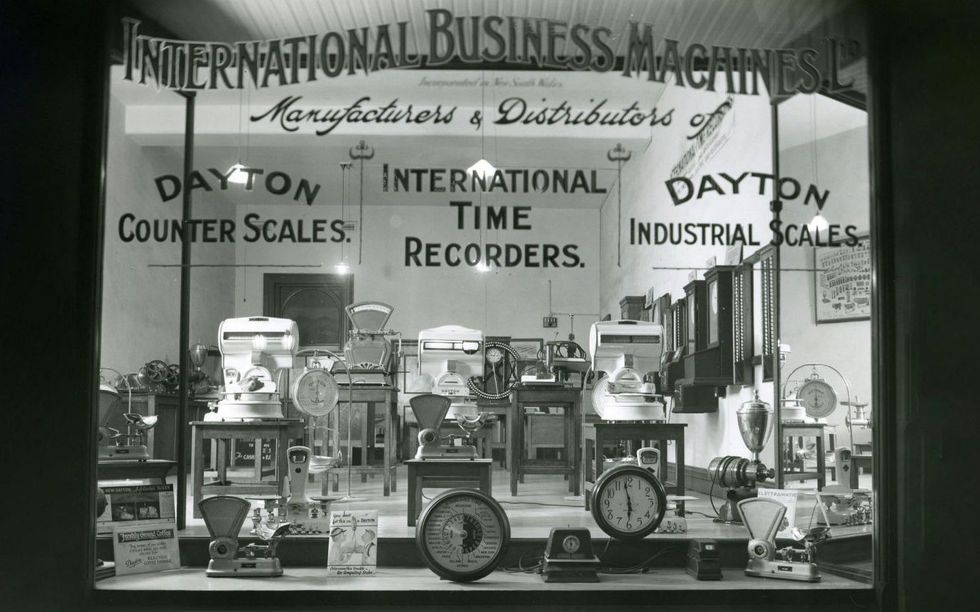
(315, 301)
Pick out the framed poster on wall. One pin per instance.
(842, 281)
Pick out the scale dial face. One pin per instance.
(817, 397)
(494, 355)
(628, 502)
(315, 392)
(462, 534)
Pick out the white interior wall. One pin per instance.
(841, 167)
(840, 161)
(504, 301)
(141, 304)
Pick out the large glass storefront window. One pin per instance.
(600, 269)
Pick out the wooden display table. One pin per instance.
(438, 473)
(374, 398)
(801, 431)
(570, 400)
(122, 469)
(280, 430)
(602, 432)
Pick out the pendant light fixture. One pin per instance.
(236, 173)
(818, 223)
(343, 267)
(482, 168)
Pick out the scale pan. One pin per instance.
(761, 516)
(430, 409)
(224, 515)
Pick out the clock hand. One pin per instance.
(629, 505)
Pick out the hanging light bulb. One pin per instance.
(342, 268)
(482, 169)
(819, 223)
(236, 174)
(483, 266)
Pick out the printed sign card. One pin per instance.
(139, 549)
(136, 505)
(353, 543)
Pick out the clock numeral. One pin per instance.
(609, 515)
(647, 490)
(606, 501)
(629, 525)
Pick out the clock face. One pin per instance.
(494, 355)
(818, 398)
(628, 502)
(462, 534)
(570, 544)
(315, 392)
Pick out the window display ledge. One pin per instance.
(420, 579)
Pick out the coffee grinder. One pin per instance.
(740, 475)
(430, 411)
(224, 516)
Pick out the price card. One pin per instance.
(139, 549)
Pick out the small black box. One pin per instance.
(703, 560)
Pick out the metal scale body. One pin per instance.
(369, 355)
(449, 356)
(255, 351)
(629, 352)
(117, 446)
(224, 516)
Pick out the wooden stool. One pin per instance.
(471, 473)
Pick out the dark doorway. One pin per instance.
(315, 301)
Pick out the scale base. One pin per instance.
(243, 568)
(570, 570)
(783, 570)
(124, 453)
(457, 453)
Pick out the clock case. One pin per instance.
(447, 573)
(708, 349)
(562, 564)
(605, 479)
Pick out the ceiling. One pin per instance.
(223, 133)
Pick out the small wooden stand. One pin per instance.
(471, 473)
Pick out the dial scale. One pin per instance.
(462, 534)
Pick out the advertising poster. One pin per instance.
(139, 549)
(353, 543)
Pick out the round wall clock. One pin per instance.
(818, 397)
(628, 502)
(315, 392)
(462, 534)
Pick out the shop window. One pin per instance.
(492, 208)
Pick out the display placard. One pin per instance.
(139, 549)
(136, 505)
(353, 543)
